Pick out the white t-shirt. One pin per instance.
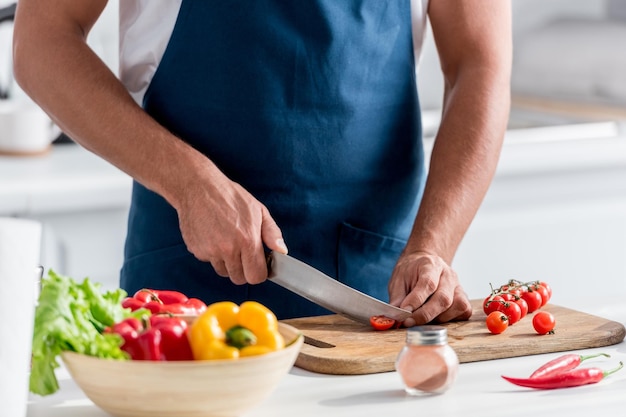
(146, 27)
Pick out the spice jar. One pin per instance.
(427, 364)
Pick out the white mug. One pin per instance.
(20, 242)
(25, 129)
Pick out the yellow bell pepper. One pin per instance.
(228, 331)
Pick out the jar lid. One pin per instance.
(427, 335)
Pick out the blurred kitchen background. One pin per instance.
(556, 210)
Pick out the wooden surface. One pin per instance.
(337, 345)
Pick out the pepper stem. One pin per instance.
(612, 371)
(153, 296)
(584, 358)
(240, 337)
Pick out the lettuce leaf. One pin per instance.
(72, 316)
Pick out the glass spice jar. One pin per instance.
(427, 364)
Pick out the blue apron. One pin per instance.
(311, 105)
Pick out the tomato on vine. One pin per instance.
(547, 287)
(492, 303)
(544, 291)
(497, 322)
(516, 299)
(512, 311)
(523, 305)
(533, 299)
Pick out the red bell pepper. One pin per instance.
(158, 338)
(164, 301)
(174, 344)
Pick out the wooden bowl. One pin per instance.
(219, 388)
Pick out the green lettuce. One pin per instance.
(71, 316)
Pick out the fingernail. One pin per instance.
(282, 246)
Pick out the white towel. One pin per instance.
(20, 242)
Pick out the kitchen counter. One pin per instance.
(478, 391)
(66, 179)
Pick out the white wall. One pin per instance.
(527, 15)
(104, 36)
(562, 224)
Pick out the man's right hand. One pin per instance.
(225, 225)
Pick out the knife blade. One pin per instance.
(315, 286)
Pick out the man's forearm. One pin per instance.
(463, 162)
(56, 67)
(474, 42)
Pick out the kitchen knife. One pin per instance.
(315, 286)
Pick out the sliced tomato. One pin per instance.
(383, 323)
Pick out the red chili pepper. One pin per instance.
(164, 301)
(573, 378)
(562, 364)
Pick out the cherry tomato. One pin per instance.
(523, 305)
(515, 292)
(544, 322)
(512, 311)
(383, 323)
(533, 299)
(547, 288)
(545, 296)
(497, 322)
(508, 296)
(543, 290)
(492, 303)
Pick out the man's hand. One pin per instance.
(427, 286)
(474, 42)
(224, 224)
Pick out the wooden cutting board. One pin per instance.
(337, 345)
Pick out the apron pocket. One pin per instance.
(366, 260)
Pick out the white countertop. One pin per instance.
(66, 179)
(478, 391)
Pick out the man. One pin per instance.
(248, 124)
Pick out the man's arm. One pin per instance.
(56, 67)
(473, 38)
